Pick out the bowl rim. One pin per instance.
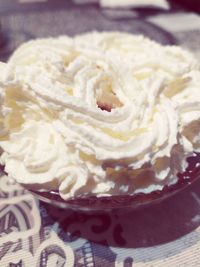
(137, 200)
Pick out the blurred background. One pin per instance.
(168, 22)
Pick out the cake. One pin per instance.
(99, 114)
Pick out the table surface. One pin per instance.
(35, 234)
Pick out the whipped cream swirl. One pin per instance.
(100, 113)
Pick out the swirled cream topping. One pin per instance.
(100, 113)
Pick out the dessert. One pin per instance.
(99, 114)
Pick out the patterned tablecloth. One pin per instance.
(162, 234)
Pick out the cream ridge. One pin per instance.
(101, 113)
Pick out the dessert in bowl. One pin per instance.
(99, 115)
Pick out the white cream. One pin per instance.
(64, 140)
(135, 3)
